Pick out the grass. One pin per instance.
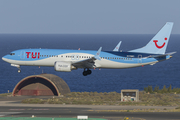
(111, 98)
(141, 110)
(34, 101)
(5, 94)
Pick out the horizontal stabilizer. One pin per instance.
(163, 55)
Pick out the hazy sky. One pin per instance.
(88, 16)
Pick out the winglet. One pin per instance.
(117, 47)
(98, 53)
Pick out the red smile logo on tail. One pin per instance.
(155, 41)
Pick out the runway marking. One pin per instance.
(8, 113)
(40, 109)
(16, 109)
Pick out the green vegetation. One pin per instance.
(111, 98)
(159, 99)
(87, 98)
(5, 94)
(149, 89)
(34, 101)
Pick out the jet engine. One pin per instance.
(63, 66)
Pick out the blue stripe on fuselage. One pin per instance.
(123, 57)
(129, 54)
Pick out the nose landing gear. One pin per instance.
(19, 70)
(87, 72)
(18, 66)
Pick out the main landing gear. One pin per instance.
(86, 72)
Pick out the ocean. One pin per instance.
(103, 80)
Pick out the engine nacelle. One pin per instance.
(63, 66)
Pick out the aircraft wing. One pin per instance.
(163, 55)
(88, 63)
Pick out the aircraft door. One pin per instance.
(74, 57)
(22, 55)
(139, 59)
(77, 57)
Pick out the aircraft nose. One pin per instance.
(3, 58)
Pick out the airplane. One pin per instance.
(64, 60)
(117, 47)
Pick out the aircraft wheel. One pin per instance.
(89, 72)
(85, 73)
(19, 71)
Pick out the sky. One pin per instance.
(88, 16)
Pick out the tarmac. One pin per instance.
(42, 118)
(12, 106)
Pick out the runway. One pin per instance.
(11, 106)
(8, 111)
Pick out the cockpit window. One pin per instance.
(12, 53)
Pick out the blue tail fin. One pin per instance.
(158, 43)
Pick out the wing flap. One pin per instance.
(87, 63)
